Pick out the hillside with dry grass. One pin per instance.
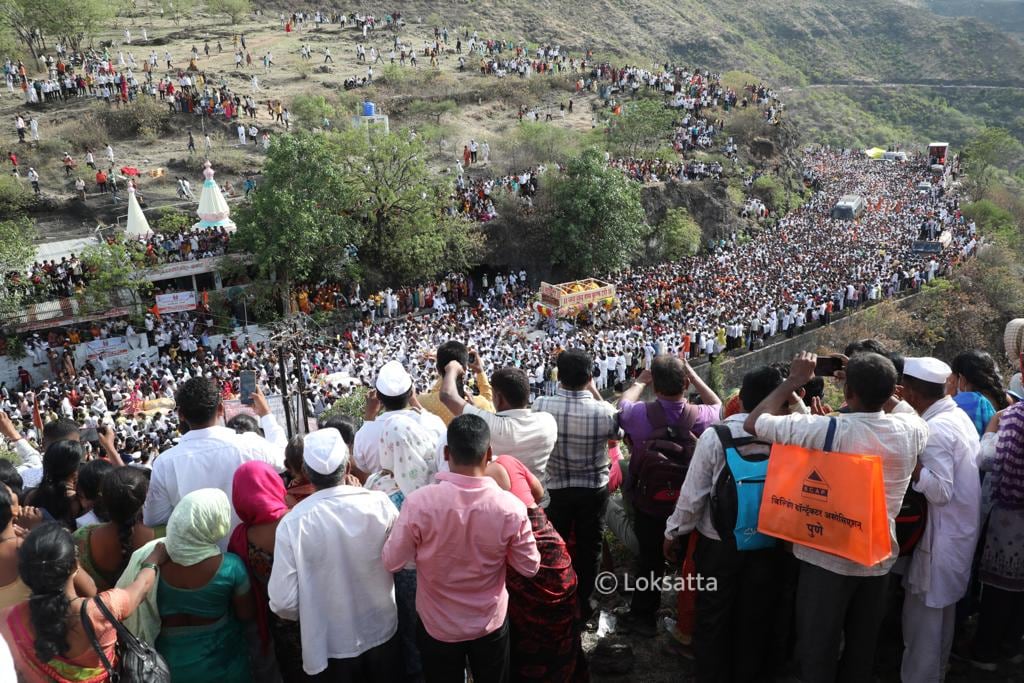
(788, 42)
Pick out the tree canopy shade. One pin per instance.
(598, 222)
(69, 21)
(323, 192)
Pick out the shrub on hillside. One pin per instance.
(86, 131)
(145, 117)
(680, 234)
(311, 110)
(15, 196)
(769, 190)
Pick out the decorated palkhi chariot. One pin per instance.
(576, 300)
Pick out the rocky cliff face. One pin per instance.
(707, 201)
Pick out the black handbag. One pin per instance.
(137, 661)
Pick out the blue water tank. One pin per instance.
(369, 109)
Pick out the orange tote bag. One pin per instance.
(833, 502)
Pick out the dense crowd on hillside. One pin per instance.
(458, 523)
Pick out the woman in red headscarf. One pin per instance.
(257, 492)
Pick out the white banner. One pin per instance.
(105, 348)
(234, 407)
(176, 302)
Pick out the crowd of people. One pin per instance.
(458, 522)
(187, 245)
(446, 511)
(49, 279)
(52, 279)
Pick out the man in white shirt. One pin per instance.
(207, 455)
(839, 601)
(947, 475)
(329, 576)
(516, 430)
(394, 393)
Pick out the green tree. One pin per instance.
(435, 109)
(643, 125)
(171, 221)
(113, 278)
(234, 9)
(532, 143)
(322, 193)
(992, 148)
(401, 209)
(16, 253)
(311, 110)
(598, 222)
(680, 234)
(298, 220)
(69, 21)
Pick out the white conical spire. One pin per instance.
(137, 226)
(213, 209)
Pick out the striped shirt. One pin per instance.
(580, 456)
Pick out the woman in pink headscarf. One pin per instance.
(257, 493)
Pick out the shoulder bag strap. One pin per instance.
(688, 417)
(655, 415)
(830, 435)
(90, 633)
(724, 436)
(123, 634)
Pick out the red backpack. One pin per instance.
(657, 467)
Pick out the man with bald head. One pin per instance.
(671, 377)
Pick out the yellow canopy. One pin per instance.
(874, 152)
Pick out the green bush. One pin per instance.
(769, 190)
(352, 404)
(145, 117)
(311, 110)
(681, 235)
(993, 220)
(15, 196)
(172, 222)
(15, 347)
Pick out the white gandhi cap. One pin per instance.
(324, 451)
(393, 380)
(927, 369)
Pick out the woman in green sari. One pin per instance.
(203, 595)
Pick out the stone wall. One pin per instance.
(783, 350)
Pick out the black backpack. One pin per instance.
(657, 467)
(911, 520)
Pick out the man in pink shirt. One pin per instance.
(462, 532)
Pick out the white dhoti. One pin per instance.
(927, 640)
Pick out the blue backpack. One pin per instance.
(736, 497)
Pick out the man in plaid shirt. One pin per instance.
(577, 471)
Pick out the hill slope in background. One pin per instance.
(1007, 15)
(795, 44)
(785, 41)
